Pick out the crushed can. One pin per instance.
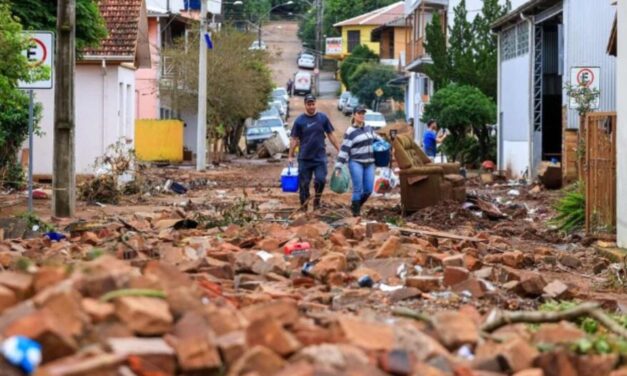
(300, 249)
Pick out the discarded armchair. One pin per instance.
(424, 183)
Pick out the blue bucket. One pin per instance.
(381, 153)
(289, 180)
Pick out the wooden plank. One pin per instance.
(440, 234)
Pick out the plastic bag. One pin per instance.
(341, 183)
(384, 180)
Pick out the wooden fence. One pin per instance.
(599, 173)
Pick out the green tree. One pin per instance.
(13, 102)
(466, 113)
(461, 47)
(239, 82)
(485, 46)
(435, 46)
(42, 15)
(361, 54)
(369, 77)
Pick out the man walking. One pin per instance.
(431, 139)
(309, 133)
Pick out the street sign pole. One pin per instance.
(201, 134)
(30, 151)
(40, 52)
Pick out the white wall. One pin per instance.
(586, 45)
(99, 122)
(515, 122)
(621, 141)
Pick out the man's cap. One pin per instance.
(360, 108)
(309, 98)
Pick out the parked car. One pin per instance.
(302, 83)
(307, 61)
(375, 119)
(350, 104)
(342, 99)
(271, 111)
(258, 45)
(263, 129)
(281, 93)
(281, 106)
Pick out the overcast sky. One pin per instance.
(474, 6)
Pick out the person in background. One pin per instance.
(309, 133)
(357, 151)
(431, 139)
(288, 86)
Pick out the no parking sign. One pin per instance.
(587, 77)
(40, 52)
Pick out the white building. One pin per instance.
(541, 44)
(418, 14)
(104, 90)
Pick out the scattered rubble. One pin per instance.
(237, 282)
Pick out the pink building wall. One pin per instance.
(147, 79)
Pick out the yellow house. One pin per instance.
(358, 30)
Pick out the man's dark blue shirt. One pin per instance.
(311, 132)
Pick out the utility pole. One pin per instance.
(63, 179)
(319, 4)
(201, 135)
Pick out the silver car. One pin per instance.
(342, 100)
(350, 104)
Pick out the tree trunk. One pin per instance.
(63, 180)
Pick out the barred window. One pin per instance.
(522, 39)
(508, 44)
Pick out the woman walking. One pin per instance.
(357, 151)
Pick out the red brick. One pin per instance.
(367, 335)
(20, 283)
(455, 329)
(43, 327)
(257, 361)
(390, 248)
(530, 372)
(513, 259)
(455, 260)
(7, 298)
(97, 310)
(151, 354)
(424, 283)
(560, 333)
(454, 275)
(329, 263)
(269, 333)
(145, 316)
(285, 311)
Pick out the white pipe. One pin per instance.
(102, 121)
(532, 52)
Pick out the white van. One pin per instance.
(302, 83)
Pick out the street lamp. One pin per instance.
(266, 14)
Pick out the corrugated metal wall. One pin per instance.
(588, 25)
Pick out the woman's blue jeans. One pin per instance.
(362, 176)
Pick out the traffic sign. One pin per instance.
(588, 77)
(379, 92)
(40, 53)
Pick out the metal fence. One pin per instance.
(600, 173)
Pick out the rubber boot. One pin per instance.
(364, 198)
(356, 208)
(318, 187)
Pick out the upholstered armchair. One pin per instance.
(424, 183)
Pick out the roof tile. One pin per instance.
(122, 20)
